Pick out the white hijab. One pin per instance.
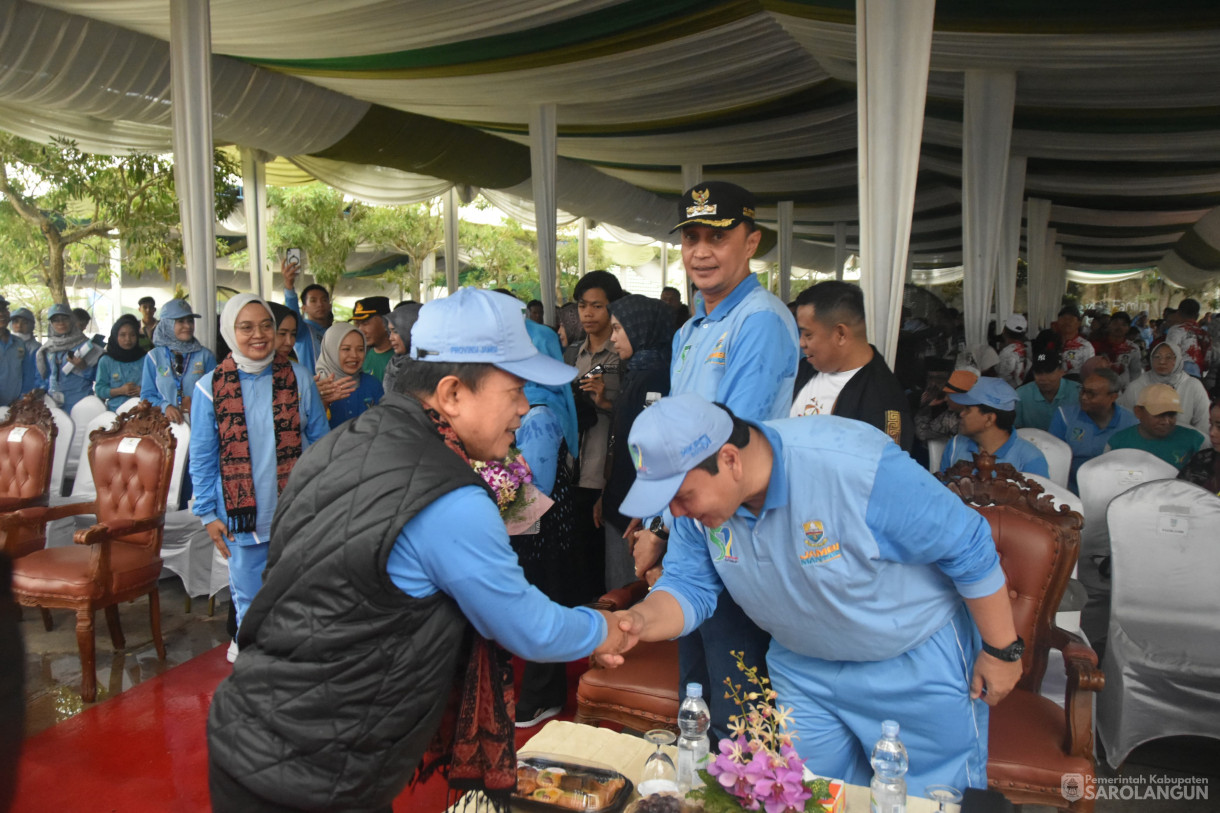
(228, 319)
(328, 356)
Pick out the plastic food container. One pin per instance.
(550, 783)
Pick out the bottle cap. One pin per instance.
(889, 728)
(696, 690)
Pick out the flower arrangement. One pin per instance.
(757, 767)
(510, 479)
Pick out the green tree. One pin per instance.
(501, 256)
(416, 231)
(76, 203)
(317, 219)
(567, 257)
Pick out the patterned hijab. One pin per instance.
(163, 336)
(649, 325)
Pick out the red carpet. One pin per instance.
(145, 750)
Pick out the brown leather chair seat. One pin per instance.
(65, 571)
(641, 694)
(1027, 755)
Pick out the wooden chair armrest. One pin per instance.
(38, 514)
(17, 503)
(1083, 678)
(623, 597)
(105, 531)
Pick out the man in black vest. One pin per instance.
(387, 553)
(850, 378)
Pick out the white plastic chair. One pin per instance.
(186, 549)
(67, 432)
(1054, 684)
(84, 411)
(1162, 662)
(936, 450)
(1057, 453)
(1099, 481)
(59, 531)
(128, 405)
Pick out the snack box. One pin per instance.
(551, 784)
(838, 792)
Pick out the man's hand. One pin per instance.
(595, 385)
(219, 533)
(993, 678)
(647, 549)
(289, 271)
(621, 635)
(173, 413)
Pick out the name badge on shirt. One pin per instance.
(817, 548)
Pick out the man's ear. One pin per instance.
(447, 399)
(842, 334)
(752, 240)
(729, 459)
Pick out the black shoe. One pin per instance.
(530, 717)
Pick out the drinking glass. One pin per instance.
(660, 775)
(943, 795)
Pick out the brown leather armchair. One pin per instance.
(641, 694)
(117, 559)
(27, 444)
(1033, 742)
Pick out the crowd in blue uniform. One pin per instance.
(775, 481)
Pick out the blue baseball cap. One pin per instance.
(989, 392)
(177, 309)
(23, 313)
(475, 326)
(667, 440)
(59, 309)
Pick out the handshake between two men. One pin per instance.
(657, 618)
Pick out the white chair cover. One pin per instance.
(128, 405)
(188, 553)
(1057, 453)
(936, 450)
(59, 531)
(1099, 481)
(63, 442)
(85, 410)
(1162, 663)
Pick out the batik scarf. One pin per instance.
(236, 470)
(475, 746)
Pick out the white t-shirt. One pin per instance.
(819, 395)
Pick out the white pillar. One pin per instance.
(1010, 239)
(1037, 217)
(427, 276)
(543, 147)
(254, 191)
(584, 247)
(664, 264)
(452, 263)
(784, 210)
(893, 48)
(190, 47)
(691, 175)
(986, 136)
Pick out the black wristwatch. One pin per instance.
(657, 526)
(1010, 653)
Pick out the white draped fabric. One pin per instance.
(254, 191)
(626, 237)
(380, 186)
(840, 249)
(893, 43)
(785, 249)
(521, 207)
(191, 51)
(452, 264)
(987, 131)
(1038, 215)
(543, 130)
(584, 246)
(1010, 239)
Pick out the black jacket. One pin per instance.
(342, 677)
(873, 395)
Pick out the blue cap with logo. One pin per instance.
(59, 309)
(989, 392)
(23, 313)
(667, 440)
(177, 309)
(476, 326)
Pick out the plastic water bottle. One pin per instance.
(693, 721)
(889, 788)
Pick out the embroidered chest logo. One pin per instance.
(1078, 433)
(682, 357)
(722, 538)
(717, 354)
(818, 550)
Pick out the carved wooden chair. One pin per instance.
(1033, 742)
(117, 559)
(27, 446)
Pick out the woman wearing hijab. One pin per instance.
(251, 418)
(1167, 364)
(399, 321)
(122, 368)
(1204, 468)
(67, 363)
(342, 357)
(285, 330)
(176, 362)
(548, 558)
(642, 330)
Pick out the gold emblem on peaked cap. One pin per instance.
(701, 207)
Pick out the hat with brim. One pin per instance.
(59, 309)
(961, 380)
(667, 440)
(23, 313)
(483, 327)
(1016, 323)
(989, 392)
(1046, 360)
(1159, 399)
(177, 309)
(719, 204)
(370, 306)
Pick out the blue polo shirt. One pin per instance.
(1034, 410)
(13, 352)
(1071, 425)
(858, 553)
(1020, 454)
(742, 354)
